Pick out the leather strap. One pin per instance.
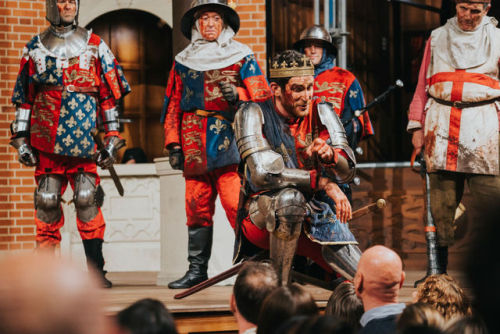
(463, 105)
(69, 88)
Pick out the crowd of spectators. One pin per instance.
(41, 294)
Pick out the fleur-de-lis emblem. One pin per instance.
(252, 68)
(64, 111)
(81, 97)
(218, 126)
(78, 132)
(68, 141)
(71, 122)
(85, 142)
(73, 104)
(224, 146)
(86, 124)
(57, 148)
(76, 151)
(80, 115)
(88, 106)
(50, 64)
(60, 130)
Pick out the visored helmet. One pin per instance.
(223, 7)
(316, 34)
(52, 13)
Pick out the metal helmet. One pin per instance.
(317, 34)
(52, 12)
(225, 7)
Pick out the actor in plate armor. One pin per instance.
(292, 150)
(204, 84)
(454, 116)
(67, 75)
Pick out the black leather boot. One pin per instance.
(199, 250)
(442, 259)
(93, 252)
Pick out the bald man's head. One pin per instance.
(380, 276)
(41, 294)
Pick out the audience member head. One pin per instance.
(466, 325)
(379, 278)
(255, 281)
(282, 304)
(42, 294)
(146, 316)
(419, 314)
(444, 294)
(345, 305)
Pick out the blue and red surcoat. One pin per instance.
(61, 120)
(198, 118)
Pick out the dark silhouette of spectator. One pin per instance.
(255, 281)
(378, 281)
(419, 315)
(323, 325)
(345, 305)
(282, 304)
(146, 316)
(445, 295)
(42, 294)
(134, 155)
(467, 325)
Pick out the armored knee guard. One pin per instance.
(343, 259)
(48, 198)
(289, 210)
(88, 197)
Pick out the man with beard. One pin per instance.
(292, 150)
(454, 116)
(67, 75)
(205, 82)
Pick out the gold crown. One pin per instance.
(285, 70)
(232, 4)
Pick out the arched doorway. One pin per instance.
(142, 44)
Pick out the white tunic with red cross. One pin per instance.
(463, 140)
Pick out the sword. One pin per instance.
(112, 171)
(375, 101)
(430, 228)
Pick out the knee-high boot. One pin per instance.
(93, 252)
(199, 251)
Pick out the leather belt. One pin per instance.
(463, 105)
(69, 88)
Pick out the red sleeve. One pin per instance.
(174, 113)
(417, 106)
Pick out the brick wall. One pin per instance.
(253, 27)
(19, 21)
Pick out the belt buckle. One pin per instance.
(71, 88)
(456, 104)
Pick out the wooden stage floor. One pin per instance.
(208, 311)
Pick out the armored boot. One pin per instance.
(343, 259)
(199, 250)
(93, 252)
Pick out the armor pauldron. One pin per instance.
(85, 198)
(344, 170)
(248, 123)
(47, 198)
(111, 121)
(22, 121)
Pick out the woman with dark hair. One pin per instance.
(282, 304)
(419, 315)
(146, 316)
(345, 305)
